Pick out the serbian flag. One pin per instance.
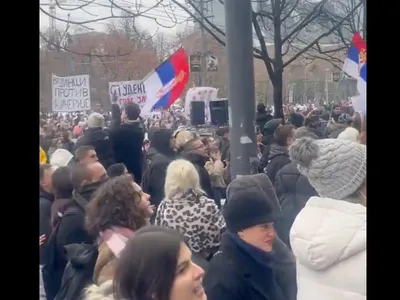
(166, 82)
(360, 48)
(352, 62)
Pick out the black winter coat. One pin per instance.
(100, 140)
(277, 159)
(45, 202)
(234, 275)
(158, 158)
(293, 191)
(127, 144)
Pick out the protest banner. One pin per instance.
(128, 91)
(71, 93)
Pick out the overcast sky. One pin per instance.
(101, 9)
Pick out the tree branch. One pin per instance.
(306, 48)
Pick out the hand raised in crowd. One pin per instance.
(216, 156)
(42, 238)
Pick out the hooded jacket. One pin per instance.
(328, 239)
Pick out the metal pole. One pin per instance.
(239, 40)
(326, 85)
(203, 71)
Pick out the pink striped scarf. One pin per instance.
(116, 238)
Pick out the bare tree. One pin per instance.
(162, 46)
(295, 28)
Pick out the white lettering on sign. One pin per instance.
(70, 93)
(128, 91)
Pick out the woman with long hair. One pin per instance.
(157, 264)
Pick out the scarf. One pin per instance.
(116, 238)
(263, 258)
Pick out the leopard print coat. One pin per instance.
(196, 217)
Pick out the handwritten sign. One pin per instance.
(128, 91)
(70, 93)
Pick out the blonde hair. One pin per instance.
(182, 138)
(181, 177)
(350, 134)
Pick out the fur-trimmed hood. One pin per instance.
(102, 292)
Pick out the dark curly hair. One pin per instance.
(115, 203)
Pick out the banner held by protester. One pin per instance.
(128, 91)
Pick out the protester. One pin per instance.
(268, 132)
(66, 142)
(127, 136)
(278, 155)
(293, 191)
(215, 167)
(117, 210)
(62, 189)
(70, 228)
(252, 262)
(195, 152)
(46, 198)
(42, 156)
(117, 170)
(262, 116)
(61, 158)
(181, 138)
(99, 138)
(162, 143)
(187, 209)
(86, 155)
(328, 236)
(156, 264)
(349, 134)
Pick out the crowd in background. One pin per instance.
(132, 210)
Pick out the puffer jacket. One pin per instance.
(328, 239)
(101, 292)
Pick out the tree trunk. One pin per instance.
(278, 97)
(278, 63)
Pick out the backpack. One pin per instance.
(78, 273)
(52, 272)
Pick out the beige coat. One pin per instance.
(216, 171)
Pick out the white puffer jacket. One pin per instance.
(328, 239)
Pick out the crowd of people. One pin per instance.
(136, 212)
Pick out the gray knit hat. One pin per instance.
(335, 168)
